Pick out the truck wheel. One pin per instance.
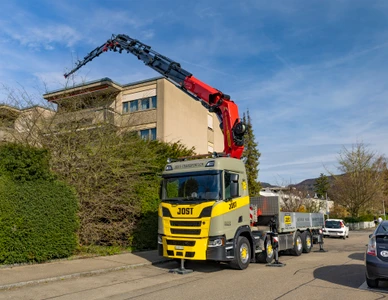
(298, 246)
(242, 255)
(306, 242)
(267, 255)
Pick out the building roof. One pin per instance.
(105, 85)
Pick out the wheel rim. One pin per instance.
(269, 250)
(299, 243)
(244, 253)
(308, 242)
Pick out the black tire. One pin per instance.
(267, 255)
(307, 242)
(372, 283)
(298, 246)
(242, 255)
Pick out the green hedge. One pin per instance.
(24, 163)
(363, 218)
(38, 215)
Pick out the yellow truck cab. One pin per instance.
(204, 211)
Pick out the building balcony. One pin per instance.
(85, 119)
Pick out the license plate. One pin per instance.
(178, 247)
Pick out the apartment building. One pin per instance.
(155, 108)
(22, 124)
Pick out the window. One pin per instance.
(210, 121)
(227, 185)
(134, 105)
(125, 107)
(145, 134)
(199, 187)
(333, 224)
(130, 106)
(146, 103)
(148, 134)
(153, 134)
(153, 100)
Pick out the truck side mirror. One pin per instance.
(234, 187)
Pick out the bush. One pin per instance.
(145, 235)
(37, 221)
(24, 163)
(38, 215)
(117, 182)
(363, 218)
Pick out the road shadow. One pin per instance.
(195, 266)
(168, 263)
(347, 275)
(357, 256)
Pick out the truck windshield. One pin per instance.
(196, 187)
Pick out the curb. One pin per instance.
(77, 275)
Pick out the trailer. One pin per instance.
(294, 232)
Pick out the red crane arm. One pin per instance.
(214, 100)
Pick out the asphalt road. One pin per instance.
(335, 274)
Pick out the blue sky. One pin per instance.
(313, 74)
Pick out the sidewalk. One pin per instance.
(17, 276)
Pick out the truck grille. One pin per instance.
(185, 223)
(180, 253)
(186, 231)
(181, 243)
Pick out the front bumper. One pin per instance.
(174, 248)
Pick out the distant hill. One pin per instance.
(265, 184)
(308, 185)
(305, 185)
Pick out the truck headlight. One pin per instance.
(160, 239)
(216, 242)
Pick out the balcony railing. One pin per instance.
(86, 118)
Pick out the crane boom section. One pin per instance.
(211, 98)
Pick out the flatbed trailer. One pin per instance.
(295, 232)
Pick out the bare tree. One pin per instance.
(292, 199)
(360, 186)
(113, 171)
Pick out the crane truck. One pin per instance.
(205, 211)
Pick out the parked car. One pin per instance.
(336, 228)
(376, 257)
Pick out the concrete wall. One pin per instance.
(361, 225)
(181, 118)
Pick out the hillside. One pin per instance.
(305, 185)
